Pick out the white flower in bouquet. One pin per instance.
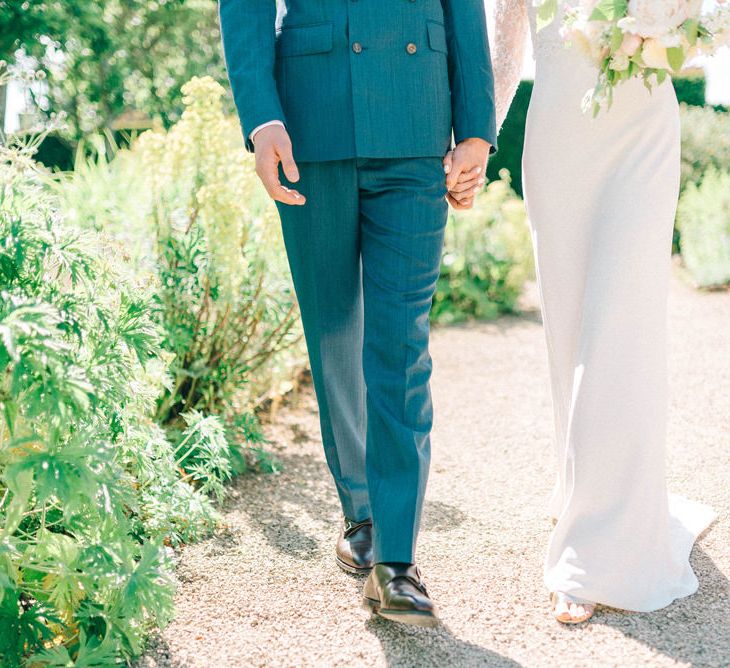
(589, 36)
(718, 25)
(658, 18)
(630, 45)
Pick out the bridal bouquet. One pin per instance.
(651, 39)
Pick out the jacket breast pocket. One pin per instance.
(437, 37)
(305, 40)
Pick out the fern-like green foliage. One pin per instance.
(92, 490)
(704, 222)
(139, 297)
(487, 257)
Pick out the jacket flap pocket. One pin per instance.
(437, 37)
(305, 40)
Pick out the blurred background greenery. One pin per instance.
(147, 319)
(111, 63)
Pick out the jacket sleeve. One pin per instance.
(470, 71)
(249, 40)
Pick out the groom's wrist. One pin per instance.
(483, 131)
(477, 141)
(256, 130)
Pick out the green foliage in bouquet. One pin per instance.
(91, 488)
(229, 311)
(487, 257)
(704, 222)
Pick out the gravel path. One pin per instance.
(266, 591)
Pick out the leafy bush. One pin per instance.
(136, 296)
(512, 139)
(106, 192)
(691, 89)
(229, 309)
(91, 488)
(704, 221)
(201, 223)
(487, 257)
(705, 142)
(106, 57)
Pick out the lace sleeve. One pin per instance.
(510, 32)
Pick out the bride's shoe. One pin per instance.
(568, 610)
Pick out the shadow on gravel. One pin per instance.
(439, 516)
(501, 326)
(304, 488)
(412, 647)
(693, 631)
(159, 653)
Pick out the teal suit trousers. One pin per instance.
(365, 253)
(372, 93)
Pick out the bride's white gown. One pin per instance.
(601, 197)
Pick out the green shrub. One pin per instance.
(136, 296)
(487, 257)
(90, 487)
(56, 152)
(188, 207)
(705, 142)
(229, 309)
(704, 222)
(105, 191)
(691, 89)
(512, 139)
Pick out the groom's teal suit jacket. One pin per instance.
(362, 78)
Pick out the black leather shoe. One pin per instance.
(398, 593)
(354, 552)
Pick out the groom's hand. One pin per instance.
(273, 146)
(465, 167)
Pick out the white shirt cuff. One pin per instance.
(261, 127)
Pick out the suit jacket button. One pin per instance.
(357, 47)
(411, 48)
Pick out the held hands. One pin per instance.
(273, 146)
(465, 168)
